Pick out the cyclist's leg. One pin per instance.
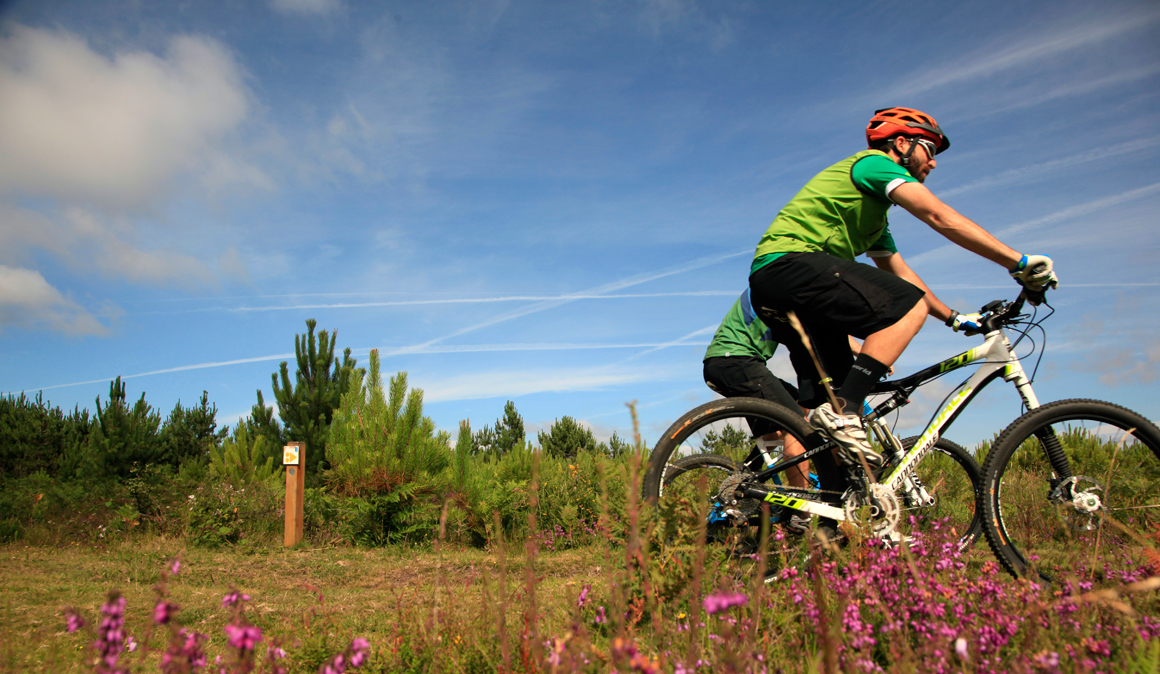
(834, 298)
(747, 376)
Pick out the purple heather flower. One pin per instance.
(73, 621)
(600, 617)
(110, 641)
(175, 566)
(243, 637)
(184, 653)
(359, 649)
(163, 612)
(715, 603)
(233, 597)
(335, 666)
(583, 598)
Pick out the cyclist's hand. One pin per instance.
(967, 323)
(1035, 273)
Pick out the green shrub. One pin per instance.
(244, 460)
(219, 514)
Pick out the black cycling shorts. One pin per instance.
(748, 376)
(833, 298)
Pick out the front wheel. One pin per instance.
(1071, 494)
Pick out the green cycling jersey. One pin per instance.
(742, 333)
(841, 211)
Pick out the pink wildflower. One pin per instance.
(233, 597)
(73, 621)
(110, 641)
(715, 603)
(243, 637)
(359, 649)
(163, 612)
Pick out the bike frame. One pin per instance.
(998, 360)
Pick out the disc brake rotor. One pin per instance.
(1081, 494)
(880, 520)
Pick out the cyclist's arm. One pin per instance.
(895, 265)
(924, 205)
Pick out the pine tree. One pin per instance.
(616, 446)
(123, 436)
(464, 449)
(510, 429)
(262, 422)
(189, 433)
(508, 433)
(566, 439)
(307, 404)
(35, 436)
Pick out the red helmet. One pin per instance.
(889, 122)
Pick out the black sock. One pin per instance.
(864, 373)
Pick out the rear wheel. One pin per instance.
(701, 459)
(1071, 495)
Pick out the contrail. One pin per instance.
(1019, 175)
(599, 290)
(680, 341)
(1041, 48)
(429, 346)
(1072, 212)
(467, 300)
(181, 368)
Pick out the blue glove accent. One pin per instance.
(970, 324)
(1035, 272)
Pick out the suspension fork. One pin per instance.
(1052, 447)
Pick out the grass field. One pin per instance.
(608, 607)
(637, 597)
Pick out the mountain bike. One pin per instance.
(739, 479)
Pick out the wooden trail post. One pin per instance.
(294, 458)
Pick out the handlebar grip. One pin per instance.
(1035, 297)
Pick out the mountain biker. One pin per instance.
(805, 263)
(735, 365)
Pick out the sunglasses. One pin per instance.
(930, 147)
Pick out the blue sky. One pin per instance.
(553, 203)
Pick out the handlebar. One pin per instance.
(998, 313)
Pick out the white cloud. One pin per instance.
(82, 126)
(105, 138)
(28, 301)
(305, 7)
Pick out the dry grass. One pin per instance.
(354, 591)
